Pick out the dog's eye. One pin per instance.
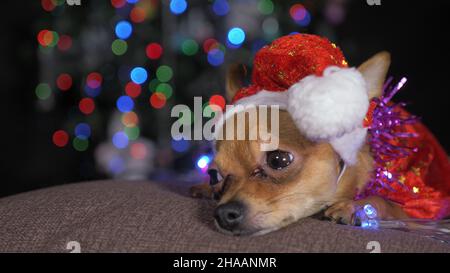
(278, 160)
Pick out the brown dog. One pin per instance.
(264, 191)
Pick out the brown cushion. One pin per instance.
(116, 216)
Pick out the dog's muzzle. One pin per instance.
(230, 216)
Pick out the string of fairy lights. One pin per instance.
(137, 80)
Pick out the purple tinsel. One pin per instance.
(386, 121)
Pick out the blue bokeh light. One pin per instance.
(125, 104)
(116, 165)
(132, 1)
(138, 75)
(83, 130)
(203, 162)
(181, 145)
(120, 140)
(92, 92)
(236, 36)
(124, 29)
(215, 57)
(178, 6)
(305, 21)
(221, 7)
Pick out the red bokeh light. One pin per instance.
(210, 44)
(64, 82)
(138, 151)
(217, 100)
(64, 42)
(45, 37)
(60, 138)
(154, 51)
(133, 90)
(297, 12)
(86, 106)
(138, 15)
(118, 3)
(48, 5)
(157, 100)
(130, 119)
(94, 80)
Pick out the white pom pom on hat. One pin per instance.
(331, 105)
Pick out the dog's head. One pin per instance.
(262, 191)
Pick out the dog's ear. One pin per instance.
(234, 78)
(374, 71)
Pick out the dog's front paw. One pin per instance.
(342, 212)
(201, 191)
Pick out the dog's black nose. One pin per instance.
(229, 215)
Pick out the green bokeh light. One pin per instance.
(164, 73)
(80, 144)
(265, 7)
(132, 132)
(189, 47)
(153, 85)
(43, 91)
(166, 89)
(119, 47)
(59, 2)
(54, 40)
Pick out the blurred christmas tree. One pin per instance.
(112, 70)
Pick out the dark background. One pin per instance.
(415, 32)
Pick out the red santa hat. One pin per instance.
(308, 76)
